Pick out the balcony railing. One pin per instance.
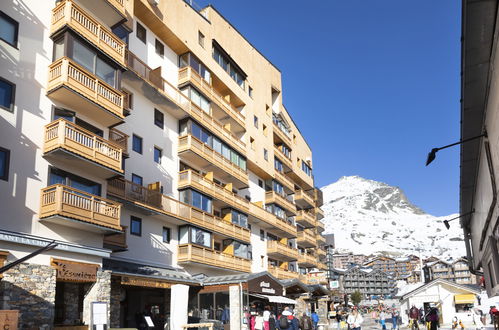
(321, 240)
(319, 226)
(116, 241)
(183, 102)
(199, 182)
(282, 274)
(307, 260)
(271, 219)
(119, 138)
(319, 213)
(282, 251)
(284, 180)
(118, 4)
(155, 201)
(189, 74)
(60, 200)
(283, 135)
(273, 197)
(206, 256)
(66, 135)
(68, 13)
(304, 198)
(189, 142)
(284, 159)
(306, 238)
(306, 219)
(64, 72)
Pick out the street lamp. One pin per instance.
(446, 222)
(433, 153)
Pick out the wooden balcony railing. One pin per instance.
(189, 74)
(279, 132)
(307, 238)
(68, 13)
(206, 256)
(116, 241)
(320, 253)
(66, 135)
(189, 142)
(284, 180)
(306, 219)
(73, 203)
(273, 197)
(199, 182)
(64, 72)
(155, 201)
(119, 138)
(321, 240)
(183, 102)
(320, 226)
(304, 197)
(284, 159)
(276, 248)
(119, 5)
(271, 219)
(319, 213)
(282, 274)
(307, 260)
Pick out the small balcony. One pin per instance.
(306, 219)
(75, 208)
(281, 251)
(155, 203)
(67, 13)
(319, 226)
(68, 143)
(321, 241)
(287, 183)
(195, 180)
(281, 133)
(320, 253)
(270, 222)
(319, 213)
(303, 199)
(307, 260)
(271, 197)
(307, 239)
(189, 75)
(282, 274)
(116, 242)
(190, 253)
(286, 161)
(196, 152)
(75, 87)
(120, 139)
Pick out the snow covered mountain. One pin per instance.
(370, 217)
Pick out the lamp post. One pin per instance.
(433, 153)
(446, 222)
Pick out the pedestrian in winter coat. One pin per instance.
(382, 318)
(306, 322)
(315, 319)
(292, 322)
(433, 319)
(355, 320)
(395, 317)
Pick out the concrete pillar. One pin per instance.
(235, 307)
(178, 306)
(100, 291)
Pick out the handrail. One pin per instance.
(196, 253)
(119, 138)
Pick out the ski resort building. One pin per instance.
(145, 145)
(456, 271)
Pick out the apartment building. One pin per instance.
(371, 283)
(346, 260)
(456, 271)
(150, 142)
(398, 267)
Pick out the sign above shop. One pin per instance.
(265, 285)
(146, 282)
(72, 271)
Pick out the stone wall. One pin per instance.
(99, 291)
(115, 302)
(30, 289)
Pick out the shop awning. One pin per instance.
(275, 299)
(464, 299)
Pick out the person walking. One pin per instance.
(395, 319)
(433, 318)
(382, 319)
(259, 321)
(477, 319)
(287, 321)
(266, 318)
(413, 317)
(315, 319)
(306, 322)
(355, 320)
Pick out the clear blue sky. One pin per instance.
(373, 85)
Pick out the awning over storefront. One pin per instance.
(464, 299)
(275, 299)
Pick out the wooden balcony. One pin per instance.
(80, 90)
(307, 239)
(196, 152)
(282, 274)
(156, 203)
(319, 213)
(190, 253)
(75, 208)
(321, 240)
(281, 251)
(303, 199)
(271, 197)
(306, 219)
(287, 183)
(307, 260)
(116, 242)
(120, 139)
(67, 13)
(73, 143)
(270, 222)
(195, 180)
(286, 161)
(320, 253)
(189, 75)
(181, 101)
(281, 134)
(320, 226)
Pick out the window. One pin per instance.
(121, 32)
(262, 235)
(200, 237)
(237, 217)
(197, 98)
(196, 199)
(241, 250)
(252, 143)
(9, 29)
(141, 32)
(157, 155)
(166, 235)
(250, 91)
(255, 121)
(308, 171)
(4, 164)
(189, 59)
(265, 154)
(265, 132)
(159, 119)
(201, 39)
(260, 183)
(89, 59)
(160, 48)
(135, 226)
(137, 179)
(137, 144)
(7, 93)
(224, 60)
(278, 165)
(57, 176)
(278, 188)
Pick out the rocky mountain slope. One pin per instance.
(369, 217)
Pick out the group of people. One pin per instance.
(351, 318)
(287, 320)
(430, 317)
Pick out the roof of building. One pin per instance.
(466, 287)
(237, 278)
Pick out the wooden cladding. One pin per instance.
(271, 197)
(73, 203)
(307, 238)
(66, 135)
(306, 219)
(281, 251)
(68, 13)
(282, 274)
(193, 253)
(304, 198)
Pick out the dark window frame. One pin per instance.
(142, 29)
(139, 220)
(135, 136)
(12, 96)
(159, 118)
(16, 29)
(5, 176)
(138, 176)
(169, 234)
(159, 47)
(201, 39)
(160, 155)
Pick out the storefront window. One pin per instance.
(222, 307)
(206, 306)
